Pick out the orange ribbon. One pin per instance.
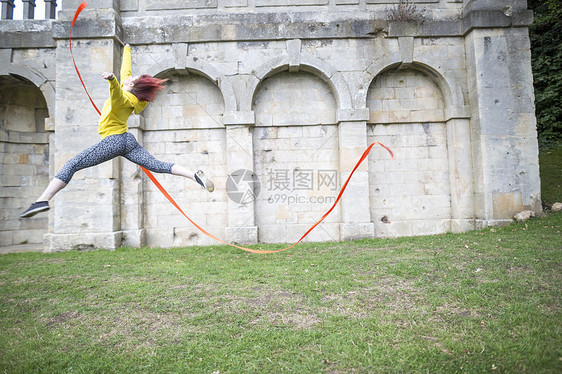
(80, 9)
(173, 202)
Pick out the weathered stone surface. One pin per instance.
(290, 90)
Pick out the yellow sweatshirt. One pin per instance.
(120, 105)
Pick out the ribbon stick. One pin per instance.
(173, 202)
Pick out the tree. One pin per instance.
(546, 61)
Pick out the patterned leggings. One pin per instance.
(110, 147)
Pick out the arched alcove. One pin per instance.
(411, 194)
(184, 125)
(295, 146)
(24, 145)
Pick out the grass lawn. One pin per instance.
(483, 301)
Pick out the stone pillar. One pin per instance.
(87, 211)
(7, 9)
(503, 123)
(241, 227)
(356, 216)
(50, 9)
(28, 9)
(460, 175)
(131, 196)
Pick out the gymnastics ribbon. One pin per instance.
(80, 9)
(173, 202)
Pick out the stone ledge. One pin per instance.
(458, 112)
(352, 115)
(250, 27)
(27, 34)
(21, 248)
(239, 118)
(107, 23)
(474, 19)
(462, 225)
(94, 24)
(81, 241)
(24, 137)
(483, 223)
(133, 238)
(175, 5)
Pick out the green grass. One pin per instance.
(483, 301)
(551, 175)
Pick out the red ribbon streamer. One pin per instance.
(80, 9)
(173, 202)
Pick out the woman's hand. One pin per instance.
(108, 76)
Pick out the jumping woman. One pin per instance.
(133, 94)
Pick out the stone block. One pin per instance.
(506, 204)
(129, 5)
(6, 238)
(28, 236)
(273, 233)
(349, 115)
(235, 3)
(276, 3)
(81, 241)
(187, 4)
(239, 118)
(431, 226)
(393, 229)
(325, 232)
(242, 235)
(462, 225)
(355, 231)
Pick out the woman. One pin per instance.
(133, 94)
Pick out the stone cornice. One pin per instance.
(107, 23)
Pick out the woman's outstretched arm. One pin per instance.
(126, 63)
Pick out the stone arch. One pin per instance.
(302, 62)
(451, 89)
(289, 106)
(407, 114)
(25, 161)
(293, 147)
(185, 125)
(193, 65)
(405, 96)
(39, 80)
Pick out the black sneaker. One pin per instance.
(38, 207)
(203, 181)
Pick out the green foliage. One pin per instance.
(551, 175)
(546, 46)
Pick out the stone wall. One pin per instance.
(24, 147)
(289, 94)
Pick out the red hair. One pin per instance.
(146, 87)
